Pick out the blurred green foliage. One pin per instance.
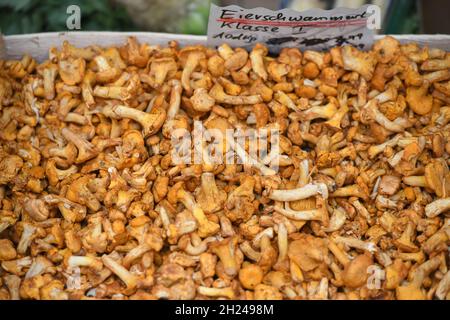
(403, 17)
(196, 21)
(28, 16)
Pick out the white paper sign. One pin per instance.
(314, 29)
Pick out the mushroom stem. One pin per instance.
(26, 238)
(225, 250)
(160, 68)
(373, 151)
(268, 232)
(128, 278)
(370, 112)
(304, 173)
(356, 243)
(71, 211)
(150, 122)
(418, 257)
(443, 287)
(304, 192)
(361, 209)
(404, 243)
(13, 283)
(300, 215)
(206, 227)
(249, 252)
(285, 100)
(175, 99)
(86, 150)
(388, 95)
(335, 120)
(322, 290)
(219, 95)
(191, 63)
(337, 220)
(247, 159)
(135, 254)
(85, 261)
(350, 191)
(340, 255)
(39, 266)
(413, 289)
(282, 242)
(257, 60)
(197, 250)
(437, 240)
(415, 181)
(216, 292)
(382, 202)
(324, 112)
(437, 207)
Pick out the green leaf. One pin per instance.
(19, 5)
(38, 22)
(9, 25)
(56, 20)
(100, 5)
(25, 25)
(22, 16)
(194, 24)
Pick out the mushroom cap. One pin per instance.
(368, 112)
(405, 245)
(277, 279)
(265, 292)
(250, 276)
(209, 196)
(72, 70)
(308, 252)
(7, 250)
(443, 87)
(201, 100)
(358, 61)
(224, 242)
(291, 56)
(437, 177)
(409, 292)
(219, 123)
(355, 273)
(387, 49)
(418, 100)
(262, 48)
(187, 51)
(237, 60)
(166, 62)
(36, 209)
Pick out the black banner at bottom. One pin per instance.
(197, 309)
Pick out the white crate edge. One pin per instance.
(37, 44)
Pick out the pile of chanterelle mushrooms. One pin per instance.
(93, 207)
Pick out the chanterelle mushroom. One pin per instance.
(308, 252)
(360, 62)
(191, 57)
(186, 172)
(209, 196)
(162, 68)
(418, 100)
(150, 122)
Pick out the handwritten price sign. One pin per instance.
(314, 29)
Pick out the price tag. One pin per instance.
(314, 29)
